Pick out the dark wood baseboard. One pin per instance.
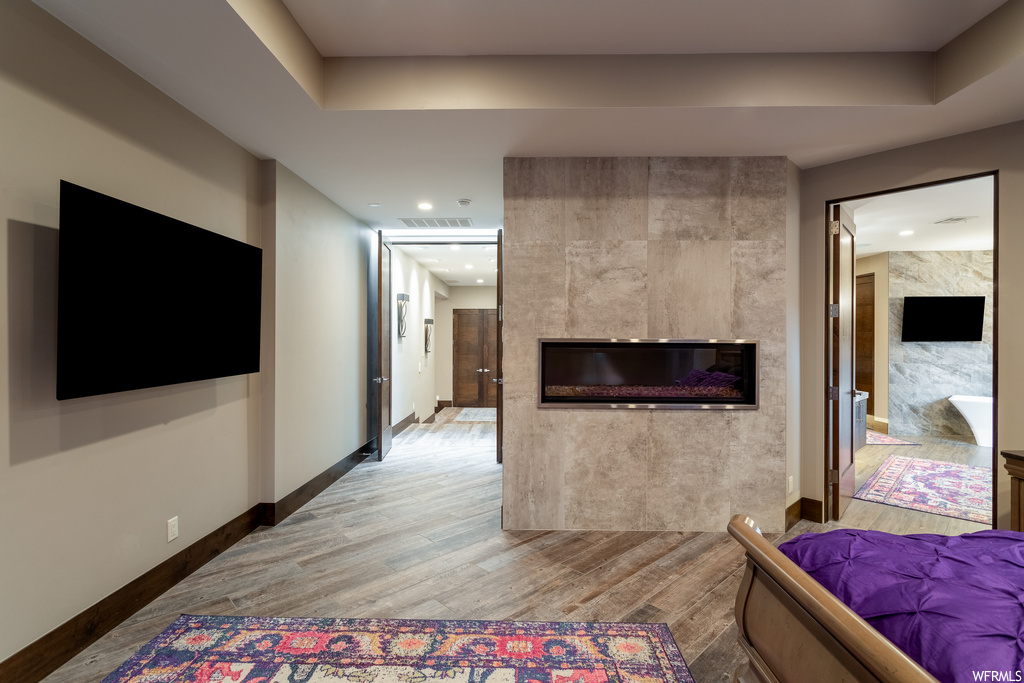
(811, 510)
(793, 513)
(38, 660)
(46, 655)
(409, 420)
(441, 405)
(430, 419)
(275, 513)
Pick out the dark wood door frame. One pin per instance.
(499, 377)
(840, 473)
(383, 378)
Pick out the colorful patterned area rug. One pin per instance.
(879, 439)
(266, 650)
(941, 488)
(477, 415)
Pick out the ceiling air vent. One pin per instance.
(954, 219)
(437, 222)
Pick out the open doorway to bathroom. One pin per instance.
(924, 352)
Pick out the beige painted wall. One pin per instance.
(412, 368)
(793, 492)
(459, 297)
(879, 265)
(318, 388)
(689, 248)
(992, 149)
(86, 486)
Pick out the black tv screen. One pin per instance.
(943, 318)
(144, 300)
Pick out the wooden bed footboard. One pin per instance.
(795, 631)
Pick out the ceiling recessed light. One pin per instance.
(425, 206)
(443, 270)
(455, 247)
(469, 266)
(480, 281)
(904, 233)
(431, 260)
(374, 205)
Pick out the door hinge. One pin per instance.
(499, 312)
(832, 393)
(833, 228)
(833, 476)
(833, 310)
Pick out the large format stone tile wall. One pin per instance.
(643, 248)
(922, 375)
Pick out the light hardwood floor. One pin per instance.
(418, 536)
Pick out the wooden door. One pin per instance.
(383, 378)
(499, 378)
(840, 470)
(474, 346)
(864, 357)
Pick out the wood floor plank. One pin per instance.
(417, 536)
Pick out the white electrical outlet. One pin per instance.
(414, 405)
(789, 488)
(172, 529)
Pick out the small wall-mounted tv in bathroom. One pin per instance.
(943, 318)
(145, 300)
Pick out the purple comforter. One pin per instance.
(954, 604)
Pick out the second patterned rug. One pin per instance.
(941, 488)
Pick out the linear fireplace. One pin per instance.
(648, 373)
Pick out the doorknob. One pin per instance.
(498, 380)
(487, 369)
(479, 369)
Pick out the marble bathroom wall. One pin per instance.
(922, 375)
(640, 247)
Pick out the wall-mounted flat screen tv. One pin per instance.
(943, 318)
(144, 300)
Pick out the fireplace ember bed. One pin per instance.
(691, 374)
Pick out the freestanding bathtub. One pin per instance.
(977, 410)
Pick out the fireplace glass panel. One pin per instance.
(648, 373)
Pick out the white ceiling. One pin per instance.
(882, 218)
(460, 265)
(204, 56)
